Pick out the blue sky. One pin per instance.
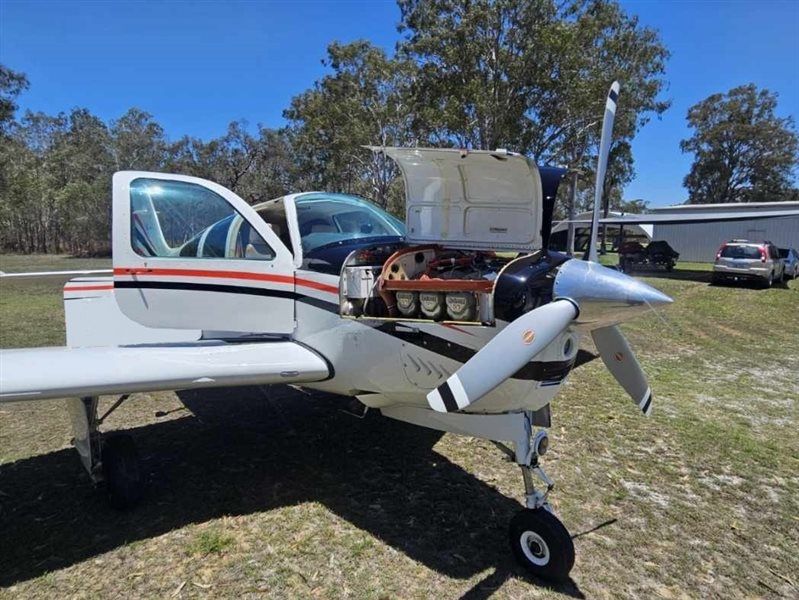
(198, 65)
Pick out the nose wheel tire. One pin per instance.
(541, 544)
(122, 473)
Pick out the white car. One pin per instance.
(744, 260)
(791, 259)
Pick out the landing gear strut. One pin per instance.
(111, 461)
(539, 541)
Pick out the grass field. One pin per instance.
(269, 492)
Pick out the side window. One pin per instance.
(273, 213)
(180, 219)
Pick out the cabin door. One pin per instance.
(190, 254)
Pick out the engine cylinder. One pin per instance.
(461, 306)
(408, 303)
(432, 304)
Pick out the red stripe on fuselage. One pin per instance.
(88, 288)
(315, 285)
(243, 275)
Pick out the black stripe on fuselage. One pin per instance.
(553, 372)
(613, 96)
(205, 287)
(533, 371)
(550, 372)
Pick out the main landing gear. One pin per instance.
(111, 461)
(538, 539)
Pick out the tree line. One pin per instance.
(526, 75)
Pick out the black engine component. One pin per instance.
(526, 284)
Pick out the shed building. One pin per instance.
(582, 231)
(699, 242)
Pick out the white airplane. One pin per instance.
(425, 322)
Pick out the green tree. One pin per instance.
(81, 164)
(636, 207)
(30, 208)
(532, 76)
(255, 167)
(743, 152)
(12, 84)
(138, 142)
(479, 69)
(362, 102)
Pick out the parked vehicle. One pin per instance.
(657, 254)
(791, 259)
(745, 260)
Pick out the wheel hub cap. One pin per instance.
(535, 548)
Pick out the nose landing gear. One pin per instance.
(539, 541)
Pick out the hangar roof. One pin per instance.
(727, 207)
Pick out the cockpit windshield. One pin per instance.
(326, 219)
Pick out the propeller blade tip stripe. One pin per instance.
(435, 401)
(447, 397)
(646, 403)
(455, 385)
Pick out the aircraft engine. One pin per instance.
(432, 283)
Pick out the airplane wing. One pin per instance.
(44, 373)
(58, 273)
(698, 217)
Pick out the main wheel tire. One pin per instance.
(542, 544)
(124, 484)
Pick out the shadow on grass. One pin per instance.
(584, 357)
(751, 284)
(679, 274)
(254, 449)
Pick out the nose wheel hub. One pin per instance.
(535, 548)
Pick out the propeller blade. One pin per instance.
(621, 362)
(506, 353)
(602, 165)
